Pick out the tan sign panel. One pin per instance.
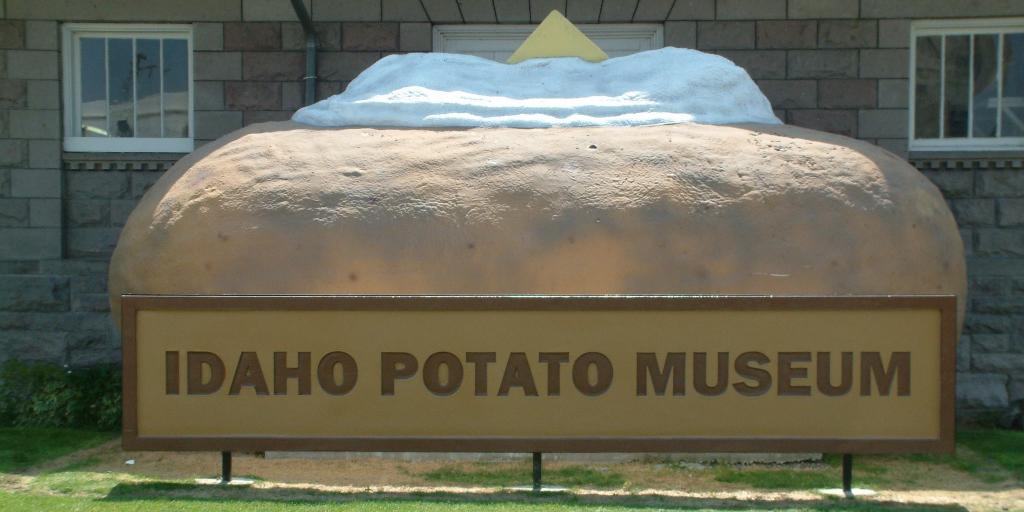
(576, 374)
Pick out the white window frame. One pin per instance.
(954, 27)
(71, 33)
(443, 33)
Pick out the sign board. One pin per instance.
(539, 374)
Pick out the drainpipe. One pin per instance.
(307, 27)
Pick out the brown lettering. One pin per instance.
(825, 386)
(395, 365)
(760, 376)
(480, 361)
(196, 361)
(700, 374)
(432, 373)
(581, 373)
(647, 365)
(554, 361)
(899, 368)
(282, 373)
(248, 373)
(171, 368)
(517, 373)
(326, 377)
(787, 373)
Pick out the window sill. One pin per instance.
(127, 145)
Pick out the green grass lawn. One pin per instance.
(22, 448)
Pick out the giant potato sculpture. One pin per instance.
(285, 208)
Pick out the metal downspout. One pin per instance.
(311, 44)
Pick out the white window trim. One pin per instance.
(442, 33)
(947, 27)
(72, 73)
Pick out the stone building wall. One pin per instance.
(834, 65)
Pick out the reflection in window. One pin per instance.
(133, 87)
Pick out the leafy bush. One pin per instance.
(48, 395)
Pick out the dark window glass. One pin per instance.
(986, 85)
(147, 88)
(93, 94)
(121, 91)
(957, 77)
(176, 79)
(927, 92)
(1013, 85)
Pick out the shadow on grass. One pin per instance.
(159, 491)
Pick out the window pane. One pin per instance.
(926, 88)
(1013, 85)
(147, 87)
(119, 66)
(93, 100)
(175, 88)
(986, 87)
(957, 77)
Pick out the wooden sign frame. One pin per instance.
(944, 304)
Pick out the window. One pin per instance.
(128, 88)
(499, 42)
(967, 85)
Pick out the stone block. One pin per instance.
(209, 95)
(13, 213)
(328, 89)
(208, 37)
(34, 293)
(1000, 242)
(717, 35)
(998, 363)
(43, 94)
(44, 213)
(328, 36)
(5, 186)
(617, 11)
(981, 390)
(142, 181)
(212, 124)
(848, 34)
(847, 93)
(120, 209)
(974, 212)
(892, 93)
(1011, 212)
(12, 152)
(30, 243)
(41, 35)
(270, 10)
(988, 287)
(218, 65)
(74, 267)
(412, 10)
(890, 123)
(97, 184)
(124, 10)
(92, 242)
(751, 9)
(84, 213)
(443, 11)
(418, 37)
(252, 36)
(97, 302)
(822, 64)
(292, 95)
(790, 93)
(894, 33)
(252, 95)
(33, 346)
(482, 11)
(786, 34)
(843, 122)
(964, 347)
(938, 8)
(990, 343)
(652, 10)
(44, 154)
(967, 238)
(692, 10)
(12, 34)
(681, 34)
(272, 66)
(32, 64)
(760, 64)
(884, 63)
(35, 124)
(35, 183)
(344, 66)
(823, 9)
(13, 93)
(369, 36)
(1005, 183)
(897, 147)
(349, 10)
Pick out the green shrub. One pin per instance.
(48, 395)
